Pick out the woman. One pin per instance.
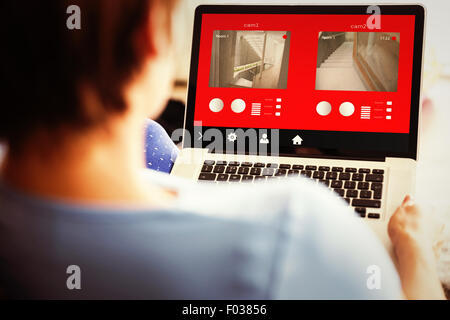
(74, 191)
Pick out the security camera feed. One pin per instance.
(358, 61)
(249, 59)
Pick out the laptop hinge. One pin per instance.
(339, 157)
(314, 156)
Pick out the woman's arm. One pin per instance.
(412, 236)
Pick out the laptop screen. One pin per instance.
(325, 81)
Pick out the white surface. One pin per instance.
(433, 172)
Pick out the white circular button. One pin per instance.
(216, 105)
(347, 109)
(323, 108)
(238, 105)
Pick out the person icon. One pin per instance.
(264, 139)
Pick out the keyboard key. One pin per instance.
(221, 163)
(331, 175)
(361, 212)
(293, 173)
(272, 165)
(267, 172)
(376, 186)
(297, 167)
(378, 171)
(231, 170)
(311, 167)
(357, 177)
(344, 176)
(325, 182)
(374, 177)
(350, 185)
(306, 173)
(366, 203)
(364, 170)
(340, 192)
(207, 168)
(280, 172)
(336, 184)
(247, 178)
(259, 165)
(235, 178)
(219, 169)
(374, 215)
(222, 177)
(233, 163)
(348, 200)
(207, 176)
(260, 178)
(352, 193)
(246, 164)
(337, 169)
(350, 169)
(255, 171)
(285, 166)
(365, 194)
(363, 185)
(324, 168)
(244, 170)
(318, 174)
(209, 162)
(377, 194)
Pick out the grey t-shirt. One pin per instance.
(289, 240)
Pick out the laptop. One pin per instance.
(327, 93)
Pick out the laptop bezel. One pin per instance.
(417, 10)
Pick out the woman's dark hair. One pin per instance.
(43, 63)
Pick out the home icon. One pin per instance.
(297, 140)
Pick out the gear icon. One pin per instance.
(232, 137)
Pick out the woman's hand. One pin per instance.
(416, 243)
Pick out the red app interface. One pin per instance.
(307, 72)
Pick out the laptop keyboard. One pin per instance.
(362, 188)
